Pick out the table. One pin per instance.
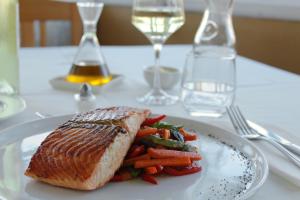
(266, 94)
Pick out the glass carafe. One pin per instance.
(208, 84)
(216, 28)
(89, 65)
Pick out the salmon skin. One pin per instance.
(85, 152)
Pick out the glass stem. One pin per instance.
(89, 27)
(156, 81)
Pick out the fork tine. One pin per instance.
(240, 127)
(232, 119)
(243, 118)
(235, 121)
(242, 121)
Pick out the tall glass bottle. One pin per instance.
(208, 84)
(10, 101)
(9, 63)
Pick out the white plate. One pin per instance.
(233, 168)
(11, 106)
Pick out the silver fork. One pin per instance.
(241, 126)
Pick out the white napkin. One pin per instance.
(278, 163)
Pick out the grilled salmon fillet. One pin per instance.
(85, 152)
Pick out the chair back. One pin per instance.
(42, 11)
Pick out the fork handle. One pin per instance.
(291, 156)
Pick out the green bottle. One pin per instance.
(9, 45)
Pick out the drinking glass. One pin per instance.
(158, 20)
(208, 83)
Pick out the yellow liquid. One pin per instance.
(158, 25)
(88, 73)
(9, 63)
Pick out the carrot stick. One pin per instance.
(171, 162)
(165, 153)
(188, 136)
(131, 161)
(138, 150)
(166, 134)
(150, 170)
(146, 131)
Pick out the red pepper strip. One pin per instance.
(151, 121)
(116, 178)
(160, 147)
(122, 175)
(149, 178)
(159, 168)
(139, 150)
(174, 172)
(132, 148)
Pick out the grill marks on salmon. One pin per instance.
(84, 154)
(109, 116)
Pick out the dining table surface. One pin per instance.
(266, 94)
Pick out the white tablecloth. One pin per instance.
(266, 94)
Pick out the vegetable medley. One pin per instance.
(159, 148)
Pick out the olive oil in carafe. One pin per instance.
(89, 72)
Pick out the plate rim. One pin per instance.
(247, 195)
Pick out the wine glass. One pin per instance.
(158, 20)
